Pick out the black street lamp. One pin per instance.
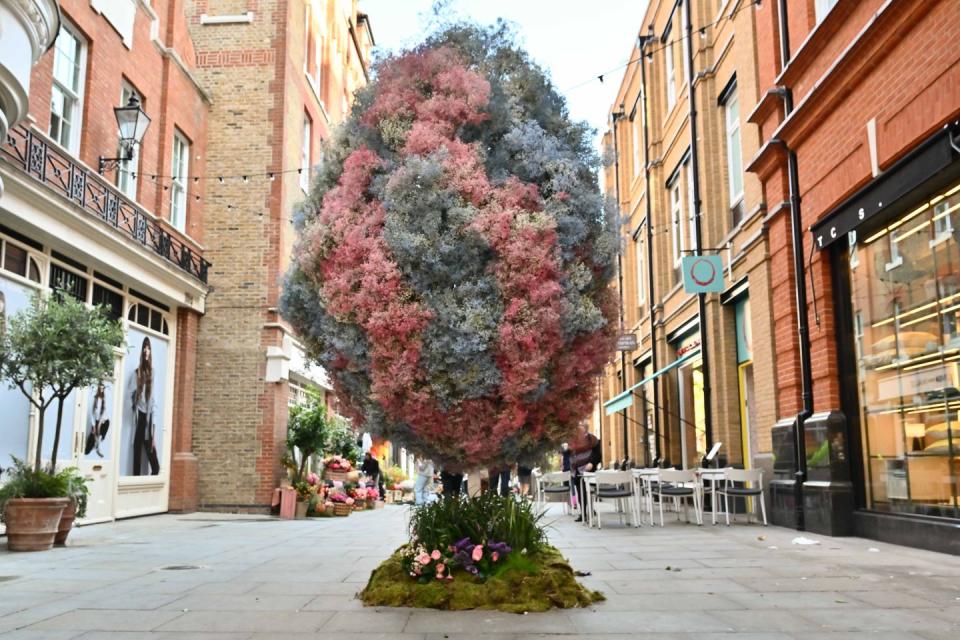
(133, 123)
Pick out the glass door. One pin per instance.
(98, 433)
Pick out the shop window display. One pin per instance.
(905, 282)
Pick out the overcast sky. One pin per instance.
(574, 40)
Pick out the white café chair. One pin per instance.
(553, 484)
(618, 486)
(677, 485)
(743, 483)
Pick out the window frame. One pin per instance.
(691, 210)
(670, 71)
(822, 9)
(72, 145)
(639, 249)
(733, 138)
(179, 181)
(676, 219)
(306, 152)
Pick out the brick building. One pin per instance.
(682, 199)
(281, 73)
(845, 114)
(113, 233)
(863, 97)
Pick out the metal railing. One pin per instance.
(36, 155)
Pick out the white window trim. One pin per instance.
(676, 220)
(306, 153)
(733, 128)
(179, 188)
(73, 145)
(671, 74)
(691, 211)
(641, 289)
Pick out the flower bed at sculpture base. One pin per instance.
(537, 582)
(488, 552)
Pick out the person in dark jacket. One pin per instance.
(586, 456)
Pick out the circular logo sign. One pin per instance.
(703, 272)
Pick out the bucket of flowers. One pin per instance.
(337, 469)
(373, 498)
(342, 504)
(359, 495)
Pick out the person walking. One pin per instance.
(500, 480)
(424, 483)
(524, 476)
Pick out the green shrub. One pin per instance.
(488, 517)
(25, 482)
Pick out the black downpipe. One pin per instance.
(800, 283)
(695, 170)
(650, 279)
(623, 354)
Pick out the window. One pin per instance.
(641, 285)
(64, 281)
(676, 219)
(686, 41)
(942, 223)
(178, 188)
(731, 111)
(127, 170)
(312, 53)
(636, 142)
(305, 155)
(148, 317)
(854, 255)
(18, 261)
(109, 299)
(823, 7)
(671, 72)
(66, 99)
(691, 212)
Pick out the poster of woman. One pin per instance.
(144, 395)
(99, 407)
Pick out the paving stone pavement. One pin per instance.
(257, 577)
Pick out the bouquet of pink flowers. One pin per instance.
(426, 565)
(336, 463)
(342, 497)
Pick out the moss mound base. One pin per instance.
(539, 583)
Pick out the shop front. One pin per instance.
(687, 380)
(897, 276)
(121, 433)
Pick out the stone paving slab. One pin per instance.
(256, 577)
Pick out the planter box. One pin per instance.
(337, 476)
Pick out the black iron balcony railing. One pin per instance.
(36, 155)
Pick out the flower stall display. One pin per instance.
(337, 469)
(342, 504)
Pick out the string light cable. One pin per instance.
(649, 52)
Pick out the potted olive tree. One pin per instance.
(308, 433)
(48, 350)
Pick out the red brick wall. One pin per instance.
(169, 97)
(905, 74)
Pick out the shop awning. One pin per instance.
(625, 399)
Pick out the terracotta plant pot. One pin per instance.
(302, 507)
(32, 523)
(66, 523)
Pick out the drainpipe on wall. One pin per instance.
(698, 227)
(800, 282)
(643, 41)
(623, 354)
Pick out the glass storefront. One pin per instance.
(905, 284)
(692, 418)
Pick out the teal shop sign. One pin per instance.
(702, 274)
